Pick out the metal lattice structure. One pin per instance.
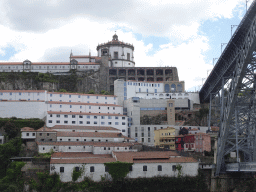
(232, 84)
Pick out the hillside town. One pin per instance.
(150, 120)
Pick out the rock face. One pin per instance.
(81, 82)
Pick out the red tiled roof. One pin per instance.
(77, 113)
(64, 93)
(89, 134)
(84, 127)
(131, 156)
(45, 129)
(80, 103)
(74, 155)
(11, 63)
(170, 160)
(84, 143)
(80, 161)
(23, 91)
(27, 129)
(22, 100)
(48, 63)
(85, 56)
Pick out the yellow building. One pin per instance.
(165, 138)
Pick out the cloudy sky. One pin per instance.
(186, 34)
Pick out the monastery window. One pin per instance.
(84, 140)
(136, 134)
(149, 140)
(102, 123)
(95, 117)
(116, 123)
(50, 115)
(70, 106)
(80, 122)
(69, 96)
(27, 134)
(174, 168)
(145, 168)
(60, 95)
(65, 122)
(115, 55)
(34, 134)
(116, 117)
(50, 121)
(73, 116)
(92, 169)
(123, 123)
(11, 93)
(88, 116)
(73, 122)
(66, 116)
(123, 118)
(109, 117)
(109, 123)
(142, 134)
(106, 97)
(57, 115)
(19, 93)
(57, 121)
(97, 97)
(159, 167)
(87, 122)
(95, 122)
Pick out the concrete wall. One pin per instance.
(19, 109)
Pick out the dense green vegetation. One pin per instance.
(153, 120)
(8, 150)
(20, 123)
(118, 170)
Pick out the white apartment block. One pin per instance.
(64, 108)
(152, 90)
(117, 121)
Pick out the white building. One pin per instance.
(90, 147)
(153, 90)
(66, 128)
(145, 164)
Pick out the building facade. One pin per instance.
(165, 138)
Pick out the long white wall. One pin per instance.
(189, 169)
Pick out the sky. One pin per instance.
(185, 34)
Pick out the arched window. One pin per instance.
(173, 88)
(167, 88)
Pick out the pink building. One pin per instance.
(202, 142)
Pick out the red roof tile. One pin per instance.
(77, 113)
(80, 103)
(27, 129)
(84, 143)
(64, 93)
(23, 91)
(89, 134)
(74, 155)
(84, 127)
(45, 129)
(80, 161)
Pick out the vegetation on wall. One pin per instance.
(153, 120)
(20, 123)
(77, 173)
(8, 150)
(118, 170)
(13, 180)
(200, 118)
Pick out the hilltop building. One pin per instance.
(114, 60)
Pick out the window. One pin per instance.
(116, 123)
(80, 122)
(80, 107)
(92, 169)
(106, 169)
(62, 169)
(34, 134)
(115, 55)
(69, 96)
(80, 116)
(159, 167)
(50, 121)
(102, 123)
(88, 116)
(60, 95)
(65, 122)
(109, 117)
(66, 116)
(95, 117)
(90, 107)
(73, 116)
(97, 97)
(69, 147)
(58, 121)
(109, 123)
(102, 117)
(123, 118)
(116, 117)
(50, 95)
(58, 116)
(70, 106)
(123, 130)
(174, 168)
(130, 168)
(95, 122)
(145, 168)
(77, 139)
(87, 122)
(27, 134)
(50, 106)
(77, 169)
(123, 123)
(60, 106)
(40, 134)
(73, 122)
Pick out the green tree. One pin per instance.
(118, 170)
(63, 90)
(11, 130)
(91, 92)
(13, 181)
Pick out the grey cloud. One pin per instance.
(37, 16)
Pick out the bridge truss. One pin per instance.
(230, 89)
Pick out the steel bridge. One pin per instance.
(230, 91)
